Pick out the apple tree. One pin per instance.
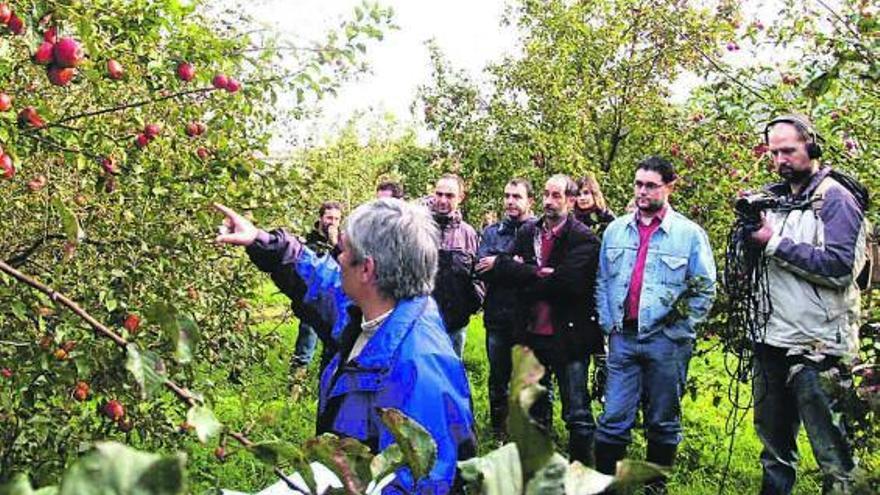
(120, 124)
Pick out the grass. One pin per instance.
(264, 406)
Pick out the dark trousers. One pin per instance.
(787, 392)
(499, 346)
(571, 376)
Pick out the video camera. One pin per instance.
(748, 209)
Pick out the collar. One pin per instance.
(555, 231)
(383, 344)
(665, 215)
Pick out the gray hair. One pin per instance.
(402, 239)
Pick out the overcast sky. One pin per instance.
(467, 31)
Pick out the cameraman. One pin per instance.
(814, 254)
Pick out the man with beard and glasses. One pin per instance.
(499, 310)
(553, 267)
(814, 254)
(656, 281)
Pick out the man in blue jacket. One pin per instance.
(393, 349)
(656, 281)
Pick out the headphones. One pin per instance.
(803, 126)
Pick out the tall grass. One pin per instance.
(263, 404)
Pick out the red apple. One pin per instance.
(44, 54)
(675, 150)
(202, 152)
(202, 128)
(114, 69)
(132, 323)
(6, 372)
(152, 130)
(220, 81)
(760, 150)
(5, 13)
(141, 141)
(114, 410)
(108, 164)
(186, 71)
(80, 394)
(15, 24)
(28, 117)
(7, 169)
(60, 76)
(68, 52)
(192, 129)
(232, 85)
(5, 102)
(37, 183)
(51, 35)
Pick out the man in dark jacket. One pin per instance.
(499, 313)
(322, 240)
(458, 293)
(553, 264)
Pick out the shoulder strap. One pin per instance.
(817, 200)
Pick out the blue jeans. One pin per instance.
(654, 368)
(458, 338)
(782, 403)
(306, 341)
(499, 343)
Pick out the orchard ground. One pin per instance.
(263, 402)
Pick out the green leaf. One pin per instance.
(819, 85)
(347, 458)
(69, 222)
(581, 480)
(533, 442)
(276, 452)
(632, 474)
(147, 368)
(178, 327)
(550, 479)
(416, 445)
(388, 461)
(116, 469)
(21, 485)
(205, 423)
(497, 473)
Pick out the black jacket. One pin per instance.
(570, 289)
(499, 308)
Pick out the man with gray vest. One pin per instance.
(814, 255)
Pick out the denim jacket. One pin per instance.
(679, 280)
(408, 364)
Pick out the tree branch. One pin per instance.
(182, 393)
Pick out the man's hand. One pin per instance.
(485, 264)
(236, 229)
(333, 234)
(762, 236)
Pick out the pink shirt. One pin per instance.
(542, 311)
(638, 274)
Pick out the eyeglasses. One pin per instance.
(648, 186)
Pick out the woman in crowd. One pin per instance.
(590, 207)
